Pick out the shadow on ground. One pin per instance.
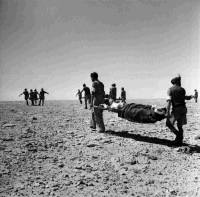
(154, 140)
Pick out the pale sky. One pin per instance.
(138, 44)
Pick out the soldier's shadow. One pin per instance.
(154, 140)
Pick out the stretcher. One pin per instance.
(137, 112)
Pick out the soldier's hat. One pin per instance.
(122, 88)
(25, 88)
(113, 85)
(176, 80)
(42, 89)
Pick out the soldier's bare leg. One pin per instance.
(172, 128)
(92, 120)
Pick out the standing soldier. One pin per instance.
(87, 95)
(26, 95)
(79, 96)
(176, 97)
(32, 95)
(42, 98)
(123, 95)
(195, 95)
(35, 96)
(97, 98)
(113, 92)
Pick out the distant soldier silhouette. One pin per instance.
(42, 98)
(79, 96)
(113, 92)
(123, 95)
(32, 94)
(87, 95)
(196, 95)
(35, 96)
(26, 95)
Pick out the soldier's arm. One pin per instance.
(169, 103)
(93, 91)
(82, 90)
(168, 108)
(21, 94)
(188, 97)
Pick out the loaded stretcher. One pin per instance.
(136, 112)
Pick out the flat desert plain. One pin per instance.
(51, 151)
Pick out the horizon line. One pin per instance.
(78, 100)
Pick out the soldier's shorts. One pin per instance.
(88, 98)
(179, 114)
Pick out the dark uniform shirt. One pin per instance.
(32, 94)
(42, 92)
(98, 92)
(123, 94)
(176, 95)
(35, 95)
(79, 95)
(26, 95)
(86, 90)
(196, 94)
(113, 93)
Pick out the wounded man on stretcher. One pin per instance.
(136, 112)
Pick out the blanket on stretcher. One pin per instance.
(140, 113)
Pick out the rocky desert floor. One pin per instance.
(51, 151)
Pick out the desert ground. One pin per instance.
(51, 151)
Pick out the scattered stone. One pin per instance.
(107, 141)
(152, 157)
(133, 161)
(4, 170)
(61, 165)
(90, 184)
(68, 183)
(9, 125)
(197, 137)
(78, 167)
(31, 147)
(36, 185)
(185, 149)
(7, 138)
(123, 171)
(92, 145)
(2, 147)
(80, 183)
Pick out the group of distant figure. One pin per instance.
(33, 96)
(109, 98)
